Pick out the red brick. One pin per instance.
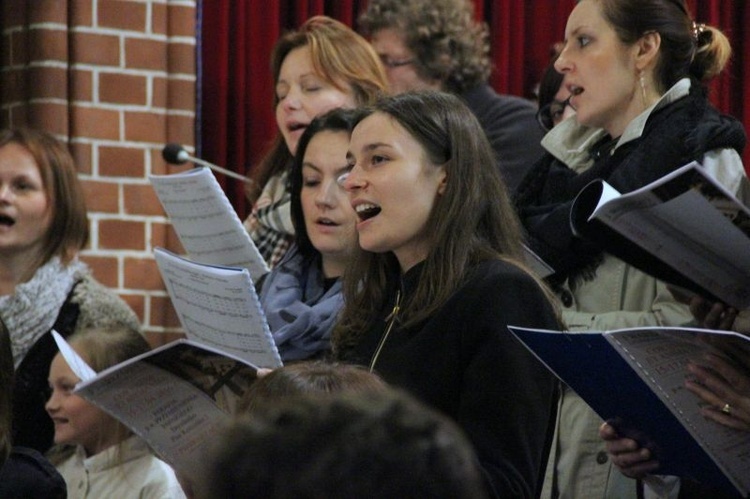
(181, 20)
(163, 313)
(140, 199)
(181, 95)
(159, 18)
(145, 54)
(81, 12)
(122, 89)
(124, 15)
(48, 11)
(122, 235)
(102, 197)
(137, 302)
(144, 127)
(181, 57)
(104, 268)
(180, 129)
(142, 273)
(164, 235)
(47, 82)
(52, 117)
(82, 156)
(48, 44)
(159, 92)
(82, 85)
(122, 161)
(95, 123)
(161, 167)
(94, 48)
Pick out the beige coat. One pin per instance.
(619, 296)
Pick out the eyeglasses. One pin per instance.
(550, 114)
(390, 63)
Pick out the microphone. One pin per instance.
(177, 155)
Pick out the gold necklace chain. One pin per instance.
(392, 319)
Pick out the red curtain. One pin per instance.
(236, 119)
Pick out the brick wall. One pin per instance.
(115, 79)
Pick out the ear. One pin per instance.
(647, 50)
(442, 180)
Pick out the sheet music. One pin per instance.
(175, 397)
(661, 356)
(206, 223)
(218, 307)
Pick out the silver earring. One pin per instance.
(643, 88)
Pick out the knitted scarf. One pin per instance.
(301, 313)
(32, 310)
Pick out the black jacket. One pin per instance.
(464, 362)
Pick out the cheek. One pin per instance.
(307, 200)
(329, 100)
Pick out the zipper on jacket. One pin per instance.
(391, 320)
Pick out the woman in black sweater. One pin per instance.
(439, 278)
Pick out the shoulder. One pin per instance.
(493, 108)
(159, 479)
(100, 305)
(500, 280)
(27, 473)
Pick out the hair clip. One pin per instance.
(698, 28)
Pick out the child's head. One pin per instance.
(76, 421)
(308, 377)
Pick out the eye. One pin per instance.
(312, 88)
(310, 182)
(281, 91)
(376, 159)
(583, 40)
(24, 186)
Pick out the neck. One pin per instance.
(333, 267)
(15, 269)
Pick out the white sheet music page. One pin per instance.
(206, 223)
(218, 307)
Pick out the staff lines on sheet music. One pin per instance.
(249, 341)
(215, 304)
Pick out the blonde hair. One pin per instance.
(102, 348)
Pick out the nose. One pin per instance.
(326, 196)
(52, 403)
(5, 193)
(291, 101)
(352, 180)
(562, 63)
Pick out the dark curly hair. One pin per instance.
(449, 44)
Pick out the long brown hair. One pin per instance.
(473, 220)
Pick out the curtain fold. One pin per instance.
(237, 90)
